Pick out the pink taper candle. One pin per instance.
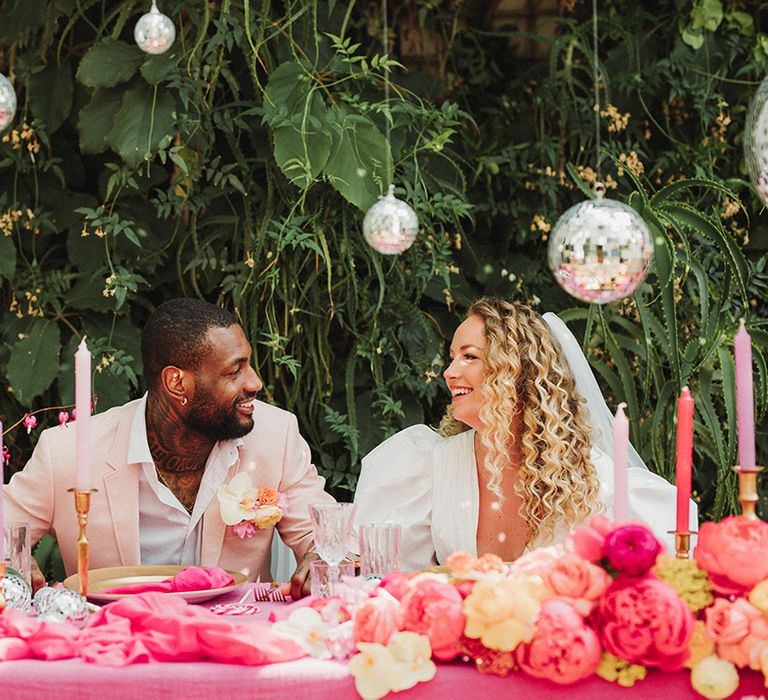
(620, 460)
(684, 457)
(745, 415)
(83, 417)
(2, 497)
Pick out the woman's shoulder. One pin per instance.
(414, 439)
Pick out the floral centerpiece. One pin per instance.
(610, 602)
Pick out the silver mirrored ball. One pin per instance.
(756, 141)
(390, 225)
(17, 592)
(154, 32)
(7, 103)
(600, 250)
(62, 605)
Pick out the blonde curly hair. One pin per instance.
(557, 480)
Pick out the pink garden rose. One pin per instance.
(377, 619)
(739, 629)
(564, 649)
(645, 622)
(730, 551)
(577, 580)
(589, 541)
(435, 609)
(632, 549)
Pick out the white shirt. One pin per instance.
(168, 534)
(428, 484)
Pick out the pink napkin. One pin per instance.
(193, 578)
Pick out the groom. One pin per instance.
(158, 462)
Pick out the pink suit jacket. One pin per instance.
(273, 453)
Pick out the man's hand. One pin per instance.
(38, 580)
(299, 585)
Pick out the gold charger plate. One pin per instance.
(100, 580)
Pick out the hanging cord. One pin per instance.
(387, 114)
(597, 100)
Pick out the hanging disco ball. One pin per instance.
(390, 225)
(154, 32)
(7, 103)
(600, 250)
(756, 141)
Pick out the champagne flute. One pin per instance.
(332, 525)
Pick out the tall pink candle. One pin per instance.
(620, 462)
(745, 415)
(684, 457)
(83, 417)
(2, 497)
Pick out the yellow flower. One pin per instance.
(413, 653)
(266, 516)
(616, 670)
(684, 575)
(758, 596)
(375, 671)
(701, 645)
(502, 613)
(715, 678)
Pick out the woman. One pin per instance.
(520, 459)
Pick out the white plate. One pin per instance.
(100, 580)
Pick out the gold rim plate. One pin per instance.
(103, 579)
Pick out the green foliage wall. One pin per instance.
(237, 168)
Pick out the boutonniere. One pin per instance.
(249, 508)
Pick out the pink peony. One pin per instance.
(564, 649)
(397, 584)
(645, 622)
(377, 619)
(632, 549)
(536, 562)
(577, 580)
(588, 541)
(739, 629)
(729, 552)
(435, 609)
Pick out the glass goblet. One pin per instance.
(332, 526)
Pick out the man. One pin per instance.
(158, 462)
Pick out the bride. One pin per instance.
(521, 457)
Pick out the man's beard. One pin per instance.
(215, 421)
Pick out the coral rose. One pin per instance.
(726, 550)
(268, 496)
(577, 580)
(435, 610)
(739, 629)
(460, 562)
(589, 541)
(564, 649)
(377, 619)
(503, 613)
(645, 622)
(632, 549)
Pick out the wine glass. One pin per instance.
(332, 525)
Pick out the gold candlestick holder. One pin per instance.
(682, 542)
(82, 506)
(748, 490)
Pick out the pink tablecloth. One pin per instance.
(306, 679)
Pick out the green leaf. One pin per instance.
(299, 119)
(97, 119)
(357, 166)
(34, 360)
(140, 125)
(7, 257)
(155, 69)
(50, 95)
(109, 63)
